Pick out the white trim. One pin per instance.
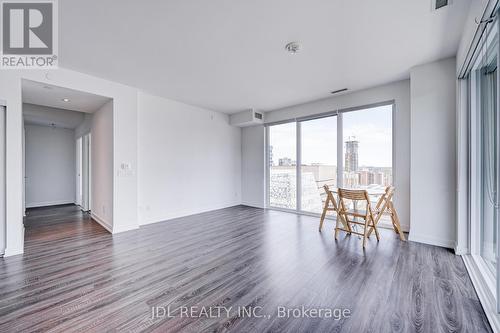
(267, 168)
(340, 150)
(102, 222)
(251, 204)
(13, 252)
(178, 214)
(123, 229)
(50, 203)
(486, 298)
(425, 239)
(461, 251)
(298, 166)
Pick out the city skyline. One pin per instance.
(371, 127)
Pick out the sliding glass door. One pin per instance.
(351, 149)
(318, 160)
(282, 191)
(484, 158)
(367, 137)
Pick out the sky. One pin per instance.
(371, 127)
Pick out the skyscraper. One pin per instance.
(351, 154)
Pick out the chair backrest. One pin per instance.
(384, 200)
(386, 197)
(355, 195)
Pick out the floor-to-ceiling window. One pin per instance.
(351, 148)
(482, 163)
(282, 166)
(367, 137)
(318, 160)
(484, 154)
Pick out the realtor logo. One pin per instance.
(29, 34)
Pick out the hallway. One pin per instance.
(64, 222)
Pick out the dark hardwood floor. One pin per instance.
(76, 277)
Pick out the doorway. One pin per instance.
(63, 129)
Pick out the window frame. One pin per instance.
(340, 151)
(490, 282)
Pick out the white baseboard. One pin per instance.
(49, 203)
(123, 229)
(483, 292)
(102, 222)
(447, 243)
(184, 213)
(250, 204)
(460, 251)
(12, 252)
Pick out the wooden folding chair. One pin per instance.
(385, 206)
(350, 216)
(331, 205)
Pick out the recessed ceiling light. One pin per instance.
(65, 100)
(292, 47)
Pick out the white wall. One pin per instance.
(124, 144)
(433, 157)
(44, 115)
(50, 166)
(190, 160)
(102, 166)
(254, 166)
(253, 159)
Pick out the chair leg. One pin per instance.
(365, 236)
(395, 222)
(323, 215)
(374, 227)
(337, 227)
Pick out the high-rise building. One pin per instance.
(351, 154)
(285, 161)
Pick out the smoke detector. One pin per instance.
(292, 47)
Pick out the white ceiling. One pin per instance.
(228, 55)
(47, 116)
(52, 96)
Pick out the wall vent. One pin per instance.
(438, 4)
(250, 117)
(441, 3)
